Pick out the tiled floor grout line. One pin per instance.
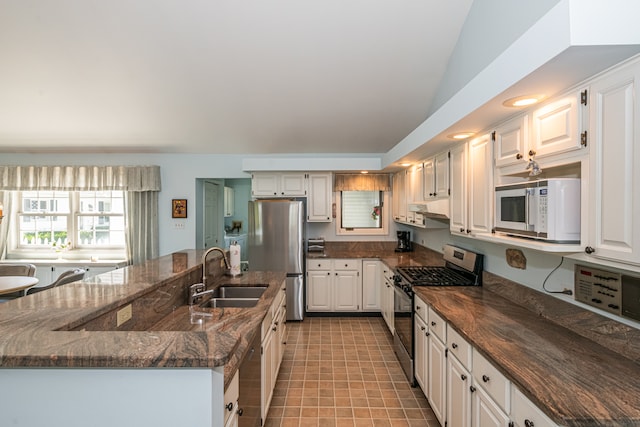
(342, 371)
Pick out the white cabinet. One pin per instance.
(319, 200)
(400, 196)
(511, 145)
(437, 366)
(228, 201)
(525, 414)
(48, 272)
(485, 412)
(278, 184)
(471, 198)
(371, 285)
(436, 177)
(231, 395)
(414, 194)
(614, 172)
(334, 285)
(421, 354)
(386, 297)
(273, 334)
(458, 394)
(557, 125)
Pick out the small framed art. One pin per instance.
(178, 208)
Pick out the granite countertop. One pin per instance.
(576, 381)
(74, 325)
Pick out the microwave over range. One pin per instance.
(546, 209)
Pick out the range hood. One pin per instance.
(436, 209)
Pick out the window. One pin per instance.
(89, 220)
(361, 212)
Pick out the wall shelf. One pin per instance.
(557, 248)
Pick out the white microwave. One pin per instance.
(546, 209)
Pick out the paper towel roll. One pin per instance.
(234, 251)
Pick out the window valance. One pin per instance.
(80, 178)
(361, 182)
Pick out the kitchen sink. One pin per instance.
(230, 302)
(232, 292)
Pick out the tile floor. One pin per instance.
(343, 372)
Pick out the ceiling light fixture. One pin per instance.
(406, 165)
(364, 172)
(460, 135)
(523, 101)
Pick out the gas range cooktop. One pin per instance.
(462, 268)
(433, 276)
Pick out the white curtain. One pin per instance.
(141, 185)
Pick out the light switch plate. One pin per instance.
(123, 315)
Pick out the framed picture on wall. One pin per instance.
(179, 208)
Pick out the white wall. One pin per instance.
(490, 27)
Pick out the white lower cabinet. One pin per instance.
(272, 350)
(231, 395)
(371, 283)
(463, 388)
(386, 296)
(334, 285)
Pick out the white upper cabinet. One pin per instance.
(557, 126)
(442, 176)
(278, 184)
(429, 186)
(319, 200)
(480, 185)
(400, 196)
(614, 179)
(458, 200)
(512, 142)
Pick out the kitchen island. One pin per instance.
(124, 348)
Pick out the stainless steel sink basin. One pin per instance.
(231, 291)
(230, 302)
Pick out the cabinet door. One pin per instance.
(399, 197)
(557, 126)
(371, 282)
(293, 184)
(265, 184)
(346, 287)
(319, 290)
(485, 412)
(458, 199)
(267, 373)
(387, 303)
(614, 171)
(458, 394)
(416, 184)
(441, 185)
(511, 144)
(480, 185)
(429, 173)
(319, 200)
(421, 352)
(437, 377)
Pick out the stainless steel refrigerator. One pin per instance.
(276, 243)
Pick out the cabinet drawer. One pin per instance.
(346, 264)
(318, 264)
(231, 395)
(488, 377)
(523, 410)
(459, 347)
(437, 325)
(421, 309)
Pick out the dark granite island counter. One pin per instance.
(123, 348)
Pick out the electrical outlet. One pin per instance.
(123, 315)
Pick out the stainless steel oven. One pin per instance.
(462, 268)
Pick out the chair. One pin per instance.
(64, 278)
(17, 270)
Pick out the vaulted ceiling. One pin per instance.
(220, 76)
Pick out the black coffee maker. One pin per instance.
(404, 241)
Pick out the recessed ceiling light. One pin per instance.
(405, 164)
(460, 135)
(364, 171)
(523, 101)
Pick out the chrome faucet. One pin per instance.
(204, 262)
(198, 290)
